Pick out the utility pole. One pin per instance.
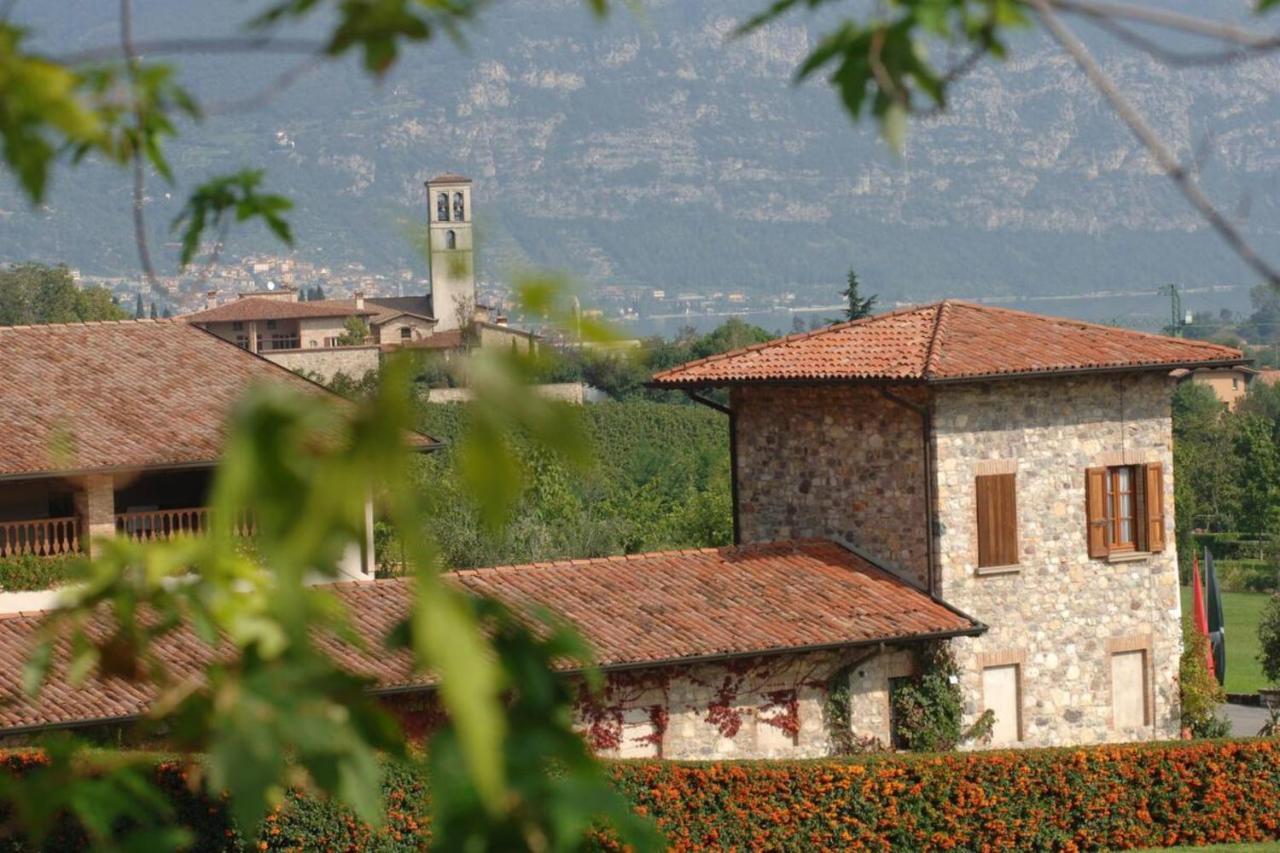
(1175, 304)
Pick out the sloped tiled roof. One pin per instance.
(389, 307)
(450, 178)
(749, 599)
(132, 394)
(268, 308)
(947, 341)
(644, 609)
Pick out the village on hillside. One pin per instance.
(411, 559)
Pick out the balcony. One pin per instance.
(164, 524)
(43, 537)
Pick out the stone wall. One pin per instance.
(328, 362)
(835, 462)
(757, 708)
(566, 392)
(1059, 615)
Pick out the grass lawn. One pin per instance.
(1256, 847)
(1241, 610)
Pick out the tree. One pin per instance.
(1263, 325)
(730, 335)
(355, 331)
(152, 311)
(1207, 492)
(35, 293)
(856, 306)
(138, 311)
(1269, 640)
(1259, 475)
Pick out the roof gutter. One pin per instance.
(974, 630)
(926, 440)
(733, 454)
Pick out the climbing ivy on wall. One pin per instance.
(929, 708)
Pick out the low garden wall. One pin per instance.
(1129, 796)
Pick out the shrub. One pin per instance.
(27, 571)
(1269, 639)
(1199, 692)
(1247, 575)
(1112, 797)
(1109, 797)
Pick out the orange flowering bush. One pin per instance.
(1115, 797)
(1105, 797)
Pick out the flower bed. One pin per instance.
(1131, 796)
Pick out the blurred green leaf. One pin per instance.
(230, 196)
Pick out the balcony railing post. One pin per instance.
(40, 537)
(164, 524)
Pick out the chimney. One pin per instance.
(359, 295)
(211, 299)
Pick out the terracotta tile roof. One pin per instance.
(450, 178)
(644, 609)
(133, 394)
(389, 307)
(751, 599)
(947, 341)
(266, 308)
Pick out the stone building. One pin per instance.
(991, 480)
(1019, 467)
(712, 653)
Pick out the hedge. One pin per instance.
(1128, 796)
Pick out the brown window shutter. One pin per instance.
(1153, 494)
(997, 519)
(1095, 502)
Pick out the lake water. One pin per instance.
(1145, 310)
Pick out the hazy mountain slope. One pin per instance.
(654, 151)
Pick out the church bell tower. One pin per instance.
(452, 266)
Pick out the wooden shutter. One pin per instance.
(997, 519)
(1095, 501)
(1153, 498)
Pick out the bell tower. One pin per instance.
(450, 256)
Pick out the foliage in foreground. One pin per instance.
(1110, 797)
(274, 708)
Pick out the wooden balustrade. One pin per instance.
(42, 537)
(163, 524)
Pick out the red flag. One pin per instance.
(1200, 615)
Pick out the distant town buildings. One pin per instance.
(327, 336)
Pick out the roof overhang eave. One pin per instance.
(973, 630)
(1168, 367)
(108, 469)
(1163, 367)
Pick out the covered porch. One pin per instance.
(50, 517)
(55, 516)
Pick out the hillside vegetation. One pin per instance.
(658, 478)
